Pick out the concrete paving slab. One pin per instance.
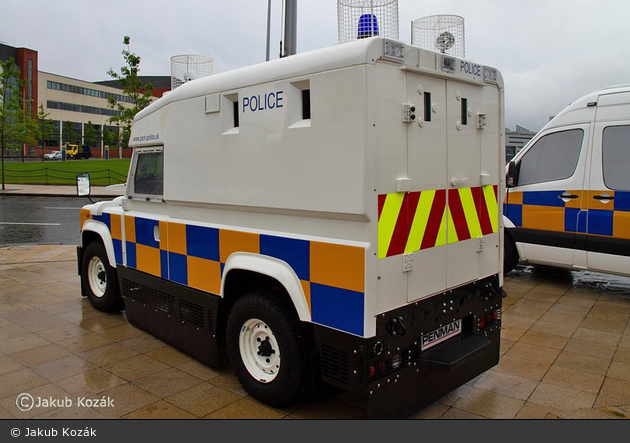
(577, 371)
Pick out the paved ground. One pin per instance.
(565, 353)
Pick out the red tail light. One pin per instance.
(489, 319)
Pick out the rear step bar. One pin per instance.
(455, 355)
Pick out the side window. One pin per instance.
(149, 174)
(616, 157)
(552, 157)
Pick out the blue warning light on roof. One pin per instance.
(368, 26)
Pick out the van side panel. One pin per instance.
(269, 153)
(195, 256)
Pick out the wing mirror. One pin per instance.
(511, 179)
(83, 185)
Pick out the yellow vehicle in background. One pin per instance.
(76, 151)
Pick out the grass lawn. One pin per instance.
(102, 172)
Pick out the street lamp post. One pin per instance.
(290, 28)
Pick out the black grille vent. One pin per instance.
(156, 299)
(191, 313)
(335, 364)
(210, 320)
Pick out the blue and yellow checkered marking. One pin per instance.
(332, 276)
(202, 242)
(543, 210)
(294, 252)
(113, 223)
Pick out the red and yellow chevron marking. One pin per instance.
(413, 221)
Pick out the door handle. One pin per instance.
(565, 197)
(604, 198)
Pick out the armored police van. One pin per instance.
(327, 217)
(568, 197)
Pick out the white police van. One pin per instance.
(568, 197)
(331, 216)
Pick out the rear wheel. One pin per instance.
(99, 279)
(265, 348)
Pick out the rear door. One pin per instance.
(454, 168)
(471, 182)
(438, 228)
(427, 168)
(413, 190)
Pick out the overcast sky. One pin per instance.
(550, 52)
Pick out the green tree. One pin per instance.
(12, 116)
(110, 138)
(46, 126)
(69, 134)
(28, 129)
(138, 93)
(89, 135)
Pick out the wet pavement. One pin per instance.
(38, 214)
(41, 220)
(565, 353)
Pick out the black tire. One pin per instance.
(99, 279)
(510, 259)
(277, 385)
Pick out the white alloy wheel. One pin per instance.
(259, 350)
(97, 277)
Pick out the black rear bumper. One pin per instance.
(391, 372)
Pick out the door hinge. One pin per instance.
(480, 244)
(481, 121)
(408, 262)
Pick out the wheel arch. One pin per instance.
(507, 223)
(244, 273)
(97, 231)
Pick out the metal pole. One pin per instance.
(2, 138)
(290, 28)
(268, 28)
(2, 153)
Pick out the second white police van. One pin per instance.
(568, 191)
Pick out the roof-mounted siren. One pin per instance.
(359, 19)
(188, 67)
(442, 33)
(368, 26)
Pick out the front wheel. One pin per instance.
(99, 279)
(510, 258)
(264, 347)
